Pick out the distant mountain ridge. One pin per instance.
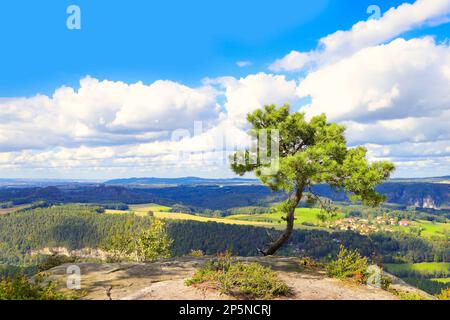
(427, 179)
(181, 181)
(153, 181)
(213, 194)
(233, 181)
(433, 192)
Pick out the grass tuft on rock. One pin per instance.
(251, 280)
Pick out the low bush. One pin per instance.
(196, 253)
(444, 295)
(252, 280)
(54, 261)
(348, 264)
(144, 245)
(407, 295)
(21, 288)
(310, 263)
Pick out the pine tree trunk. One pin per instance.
(290, 218)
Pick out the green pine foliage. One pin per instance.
(444, 295)
(348, 264)
(21, 288)
(148, 244)
(309, 153)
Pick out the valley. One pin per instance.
(410, 242)
(306, 218)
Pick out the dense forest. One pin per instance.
(244, 240)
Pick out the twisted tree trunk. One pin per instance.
(290, 218)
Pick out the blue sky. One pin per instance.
(148, 40)
(106, 101)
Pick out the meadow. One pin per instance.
(162, 212)
(306, 218)
(426, 269)
(428, 228)
(431, 277)
(441, 280)
(434, 228)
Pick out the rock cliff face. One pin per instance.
(422, 195)
(165, 281)
(80, 253)
(418, 194)
(429, 203)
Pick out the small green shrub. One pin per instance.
(21, 288)
(236, 278)
(196, 253)
(407, 295)
(308, 262)
(142, 245)
(348, 264)
(154, 243)
(253, 280)
(54, 261)
(210, 271)
(385, 282)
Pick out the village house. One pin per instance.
(403, 223)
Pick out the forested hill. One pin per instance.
(431, 192)
(217, 197)
(83, 194)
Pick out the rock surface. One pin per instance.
(164, 280)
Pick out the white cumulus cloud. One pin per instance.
(103, 113)
(393, 23)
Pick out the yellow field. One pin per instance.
(111, 211)
(148, 207)
(13, 209)
(161, 212)
(302, 215)
(185, 216)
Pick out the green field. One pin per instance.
(306, 218)
(424, 268)
(441, 280)
(269, 220)
(429, 228)
(149, 207)
(431, 277)
(264, 220)
(436, 228)
(308, 215)
(162, 212)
